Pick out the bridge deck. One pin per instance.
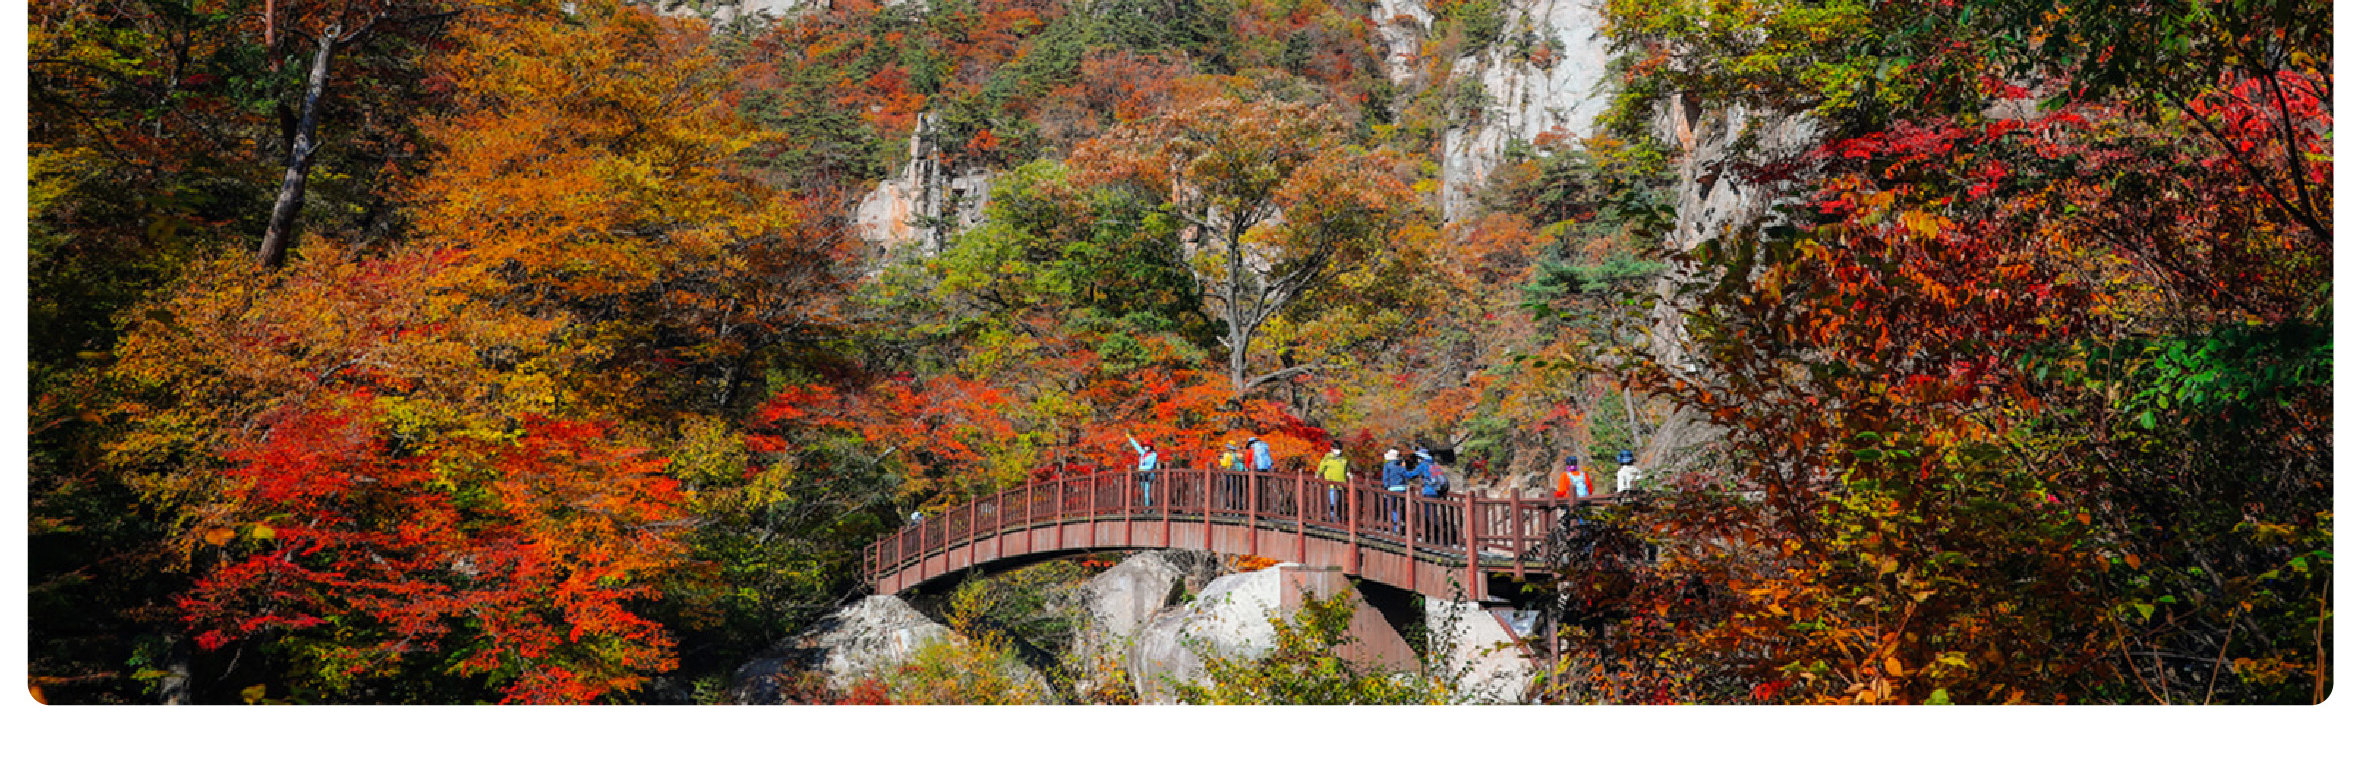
(1440, 547)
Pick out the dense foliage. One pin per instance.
(574, 382)
(2034, 382)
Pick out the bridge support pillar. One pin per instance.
(1352, 530)
(1374, 640)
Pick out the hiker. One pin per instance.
(1231, 461)
(1434, 482)
(1262, 453)
(1332, 469)
(1396, 480)
(1627, 478)
(917, 517)
(1573, 483)
(1147, 469)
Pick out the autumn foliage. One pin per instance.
(577, 385)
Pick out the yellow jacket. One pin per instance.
(1332, 468)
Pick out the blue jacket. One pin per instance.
(1147, 456)
(1262, 455)
(1395, 475)
(1436, 482)
(1425, 470)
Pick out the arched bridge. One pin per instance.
(1437, 547)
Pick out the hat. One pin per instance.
(1393, 454)
(1623, 457)
(1422, 455)
(1573, 461)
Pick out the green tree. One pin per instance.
(1304, 667)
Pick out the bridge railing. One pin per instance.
(1501, 533)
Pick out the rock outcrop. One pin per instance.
(928, 203)
(1138, 616)
(1544, 73)
(1489, 666)
(854, 642)
(1232, 616)
(721, 12)
(1400, 27)
(1123, 599)
(1713, 197)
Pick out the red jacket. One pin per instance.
(1575, 482)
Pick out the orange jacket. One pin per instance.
(1578, 482)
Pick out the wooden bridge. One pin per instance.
(1439, 547)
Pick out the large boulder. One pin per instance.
(1122, 599)
(854, 642)
(1231, 617)
(1114, 606)
(1487, 663)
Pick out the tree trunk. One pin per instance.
(1237, 357)
(174, 689)
(1231, 314)
(273, 253)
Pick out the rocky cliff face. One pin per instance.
(1715, 196)
(726, 11)
(926, 204)
(1547, 72)
(1543, 75)
(1400, 27)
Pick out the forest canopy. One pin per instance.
(527, 351)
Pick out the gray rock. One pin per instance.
(856, 641)
(1400, 27)
(1545, 74)
(928, 203)
(1488, 665)
(1123, 598)
(1118, 604)
(1231, 617)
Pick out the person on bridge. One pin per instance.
(1232, 496)
(1432, 481)
(1426, 463)
(1435, 480)
(1627, 478)
(1396, 479)
(1333, 470)
(1262, 453)
(1573, 483)
(1147, 469)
